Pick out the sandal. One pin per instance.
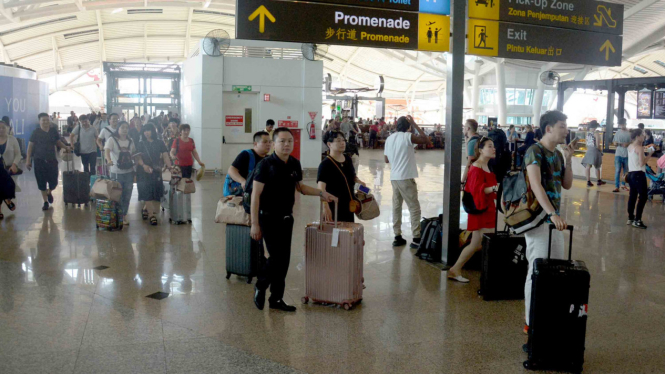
(145, 214)
(10, 205)
(153, 221)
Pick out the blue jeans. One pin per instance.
(620, 162)
(127, 182)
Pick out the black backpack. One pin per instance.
(430, 238)
(249, 184)
(125, 160)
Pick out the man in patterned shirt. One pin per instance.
(547, 173)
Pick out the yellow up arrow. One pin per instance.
(607, 46)
(263, 12)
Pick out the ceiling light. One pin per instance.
(207, 3)
(116, 11)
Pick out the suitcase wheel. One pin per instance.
(530, 365)
(305, 300)
(189, 221)
(249, 280)
(346, 306)
(78, 206)
(228, 275)
(162, 209)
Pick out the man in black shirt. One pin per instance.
(273, 195)
(244, 164)
(42, 148)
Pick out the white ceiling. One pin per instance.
(36, 34)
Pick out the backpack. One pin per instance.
(125, 160)
(249, 184)
(500, 141)
(431, 238)
(522, 212)
(233, 188)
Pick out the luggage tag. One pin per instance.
(335, 237)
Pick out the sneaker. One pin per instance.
(625, 188)
(526, 329)
(616, 190)
(639, 224)
(601, 182)
(415, 244)
(49, 197)
(399, 241)
(589, 184)
(45, 206)
(630, 222)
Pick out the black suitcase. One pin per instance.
(558, 316)
(244, 255)
(504, 267)
(75, 186)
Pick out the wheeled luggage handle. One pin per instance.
(321, 220)
(570, 244)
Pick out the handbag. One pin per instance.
(369, 208)
(231, 211)
(186, 186)
(469, 205)
(166, 175)
(354, 205)
(106, 189)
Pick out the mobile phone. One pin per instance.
(363, 189)
(574, 142)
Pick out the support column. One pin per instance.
(609, 118)
(476, 88)
(538, 103)
(452, 171)
(501, 92)
(621, 113)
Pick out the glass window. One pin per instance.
(128, 86)
(520, 96)
(487, 96)
(161, 86)
(547, 96)
(529, 97)
(510, 96)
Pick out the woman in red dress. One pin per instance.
(481, 184)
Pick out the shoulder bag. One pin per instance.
(354, 205)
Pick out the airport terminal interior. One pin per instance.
(158, 297)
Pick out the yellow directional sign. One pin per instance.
(433, 32)
(483, 38)
(607, 47)
(529, 42)
(586, 15)
(262, 12)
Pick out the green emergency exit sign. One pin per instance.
(242, 88)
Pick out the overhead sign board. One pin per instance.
(339, 24)
(571, 14)
(289, 124)
(529, 42)
(423, 6)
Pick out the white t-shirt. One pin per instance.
(106, 133)
(402, 157)
(115, 152)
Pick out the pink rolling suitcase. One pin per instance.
(334, 273)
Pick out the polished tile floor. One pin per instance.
(60, 313)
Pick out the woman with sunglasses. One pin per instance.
(337, 176)
(482, 185)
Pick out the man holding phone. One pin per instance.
(400, 153)
(547, 174)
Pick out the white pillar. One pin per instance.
(538, 102)
(476, 88)
(442, 106)
(501, 92)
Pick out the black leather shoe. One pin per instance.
(281, 305)
(399, 241)
(259, 298)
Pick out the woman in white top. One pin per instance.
(118, 151)
(11, 156)
(637, 178)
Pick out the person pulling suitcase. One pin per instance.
(273, 184)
